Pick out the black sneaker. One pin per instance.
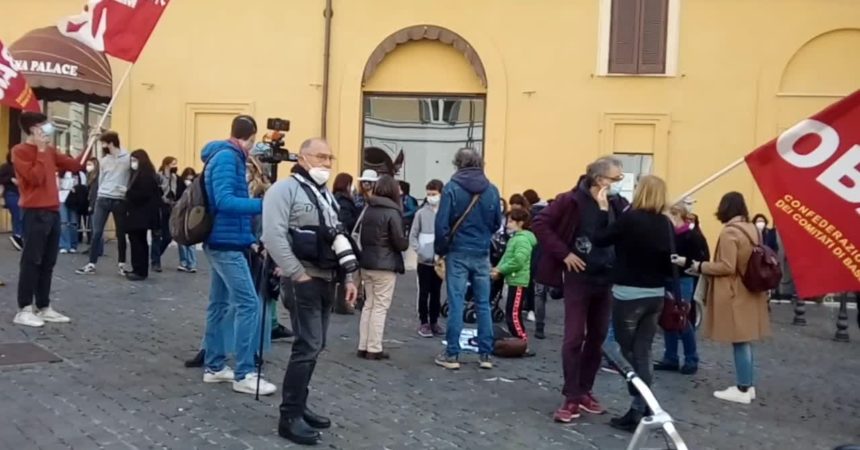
(156, 267)
(689, 369)
(17, 242)
(281, 332)
(131, 276)
(664, 366)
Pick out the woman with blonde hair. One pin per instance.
(643, 240)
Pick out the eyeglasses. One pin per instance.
(323, 157)
(615, 179)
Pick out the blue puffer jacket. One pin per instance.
(473, 236)
(227, 191)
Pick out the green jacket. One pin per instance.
(517, 261)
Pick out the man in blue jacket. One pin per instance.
(227, 249)
(467, 251)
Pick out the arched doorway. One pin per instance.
(424, 97)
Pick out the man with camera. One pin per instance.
(302, 233)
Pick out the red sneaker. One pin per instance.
(568, 411)
(590, 405)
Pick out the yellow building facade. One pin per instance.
(541, 86)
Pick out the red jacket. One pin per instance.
(37, 175)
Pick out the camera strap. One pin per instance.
(323, 199)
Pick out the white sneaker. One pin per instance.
(733, 394)
(249, 385)
(27, 318)
(752, 392)
(531, 316)
(224, 375)
(50, 315)
(123, 269)
(73, 251)
(64, 252)
(89, 269)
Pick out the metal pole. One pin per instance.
(842, 320)
(710, 179)
(108, 110)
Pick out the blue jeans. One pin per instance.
(463, 269)
(187, 257)
(101, 210)
(232, 286)
(11, 199)
(68, 228)
(744, 364)
(687, 337)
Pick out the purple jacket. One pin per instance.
(555, 227)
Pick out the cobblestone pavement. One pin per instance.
(122, 384)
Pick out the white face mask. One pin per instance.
(48, 129)
(188, 182)
(615, 188)
(760, 225)
(134, 164)
(320, 175)
(90, 168)
(433, 200)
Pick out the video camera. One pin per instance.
(271, 149)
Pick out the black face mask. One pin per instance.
(174, 169)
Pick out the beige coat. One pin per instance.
(733, 314)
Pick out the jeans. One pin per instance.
(463, 269)
(68, 228)
(429, 294)
(379, 285)
(586, 319)
(105, 206)
(139, 252)
(310, 306)
(514, 311)
(232, 286)
(744, 364)
(541, 294)
(687, 337)
(188, 256)
(635, 326)
(38, 257)
(11, 199)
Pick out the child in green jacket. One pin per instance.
(515, 266)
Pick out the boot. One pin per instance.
(539, 331)
(628, 422)
(315, 420)
(298, 431)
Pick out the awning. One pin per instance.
(62, 69)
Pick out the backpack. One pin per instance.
(763, 271)
(190, 219)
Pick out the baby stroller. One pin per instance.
(470, 315)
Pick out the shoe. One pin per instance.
(734, 394)
(298, 431)
(197, 360)
(249, 385)
(89, 269)
(531, 316)
(437, 329)
(26, 317)
(183, 269)
(123, 269)
(590, 405)
(361, 354)
(752, 392)
(689, 369)
(664, 366)
(224, 375)
(485, 362)
(64, 251)
(376, 356)
(448, 362)
(425, 331)
(281, 332)
(50, 315)
(73, 251)
(567, 412)
(315, 420)
(628, 422)
(17, 242)
(192, 270)
(539, 334)
(131, 276)
(157, 268)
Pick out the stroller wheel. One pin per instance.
(498, 315)
(444, 310)
(470, 316)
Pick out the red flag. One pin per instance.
(119, 28)
(810, 178)
(15, 92)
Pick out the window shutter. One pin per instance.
(425, 114)
(452, 111)
(624, 33)
(652, 37)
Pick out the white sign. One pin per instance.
(47, 67)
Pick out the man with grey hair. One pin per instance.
(469, 213)
(565, 230)
(300, 222)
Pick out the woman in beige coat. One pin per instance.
(734, 314)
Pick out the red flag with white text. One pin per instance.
(119, 28)
(15, 92)
(810, 178)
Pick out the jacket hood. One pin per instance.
(528, 235)
(383, 202)
(215, 146)
(472, 179)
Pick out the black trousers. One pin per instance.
(514, 311)
(310, 305)
(38, 257)
(139, 252)
(635, 323)
(429, 294)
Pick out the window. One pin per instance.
(433, 110)
(638, 36)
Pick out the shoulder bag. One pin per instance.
(440, 262)
(676, 312)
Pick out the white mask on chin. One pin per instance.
(320, 175)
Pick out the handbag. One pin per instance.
(440, 261)
(675, 316)
(356, 230)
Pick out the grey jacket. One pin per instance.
(422, 235)
(285, 206)
(114, 173)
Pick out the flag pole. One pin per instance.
(108, 109)
(710, 179)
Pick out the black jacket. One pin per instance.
(692, 245)
(643, 241)
(348, 212)
(143, 200)
(382, 237)
(7, 172)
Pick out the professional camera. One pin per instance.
(342, 248)
(271, 149)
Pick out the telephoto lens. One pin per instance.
(345, 256)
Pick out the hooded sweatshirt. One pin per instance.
(474, 234)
